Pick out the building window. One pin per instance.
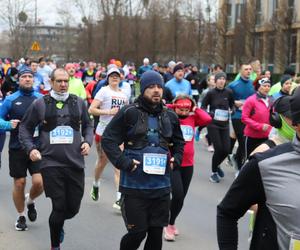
(273, 7)
(291, 3)
(239, 9)
(229, 16)
(258, 19)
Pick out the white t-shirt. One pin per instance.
(109, 99)
(126, 89)
(45, 72)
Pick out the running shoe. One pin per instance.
(31, 211)
(214, 178)
(95, 193)
(175, 230)
(117, 204)
(210, 148)
(55, 248)
(62, 235)
(169, 234)
(20, 224)
(220, 172)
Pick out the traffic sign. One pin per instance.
(35, 46)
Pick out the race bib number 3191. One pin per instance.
(154, 163)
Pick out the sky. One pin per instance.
(47, 11)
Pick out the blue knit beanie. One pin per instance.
(25, 70)
(150, 77)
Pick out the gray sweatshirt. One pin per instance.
(56, 155)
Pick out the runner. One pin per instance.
(189, 117)
(63, 120)
(178, 85)
(76, 86)
(221, 103)
(106, 104)
(255, 116)
(242, 88)
(14, 108)
(149, 132)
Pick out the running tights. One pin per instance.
(180, 182)
(132, 240)
(221, 141)
(57, 219)
(238, 127)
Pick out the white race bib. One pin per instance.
(221, 115)
(62, 135)
(154, 163)
(195, 92)
(187, 132)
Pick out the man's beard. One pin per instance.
(150, 100)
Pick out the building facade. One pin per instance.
(268, 30)
(55, 41)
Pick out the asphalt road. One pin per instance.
(98, 226)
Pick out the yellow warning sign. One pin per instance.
(35, 46)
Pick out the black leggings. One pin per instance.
(180, 182)
(238, 127)
(253, 143)
(132, 240)
(221, 140)
(65, 187)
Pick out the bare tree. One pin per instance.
(13, 13)
(282, 23)
(221, 27)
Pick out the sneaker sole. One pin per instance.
(213, 181)
(116, 207)
(20, 229)
(166, 238)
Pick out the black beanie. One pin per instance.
(178, 67)
(150, 77)
(219, 75)
(284, 78)
(295, 107)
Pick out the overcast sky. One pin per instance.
(47, 11)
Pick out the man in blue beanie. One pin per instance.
(153, 146)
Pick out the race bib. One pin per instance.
(187, 132)
(62, 135)
(221, 115)
(295, 242)
(154, 163)
(195, 92)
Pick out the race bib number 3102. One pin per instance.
(62, 135)
(154, 163)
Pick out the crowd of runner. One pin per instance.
(145, 121)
